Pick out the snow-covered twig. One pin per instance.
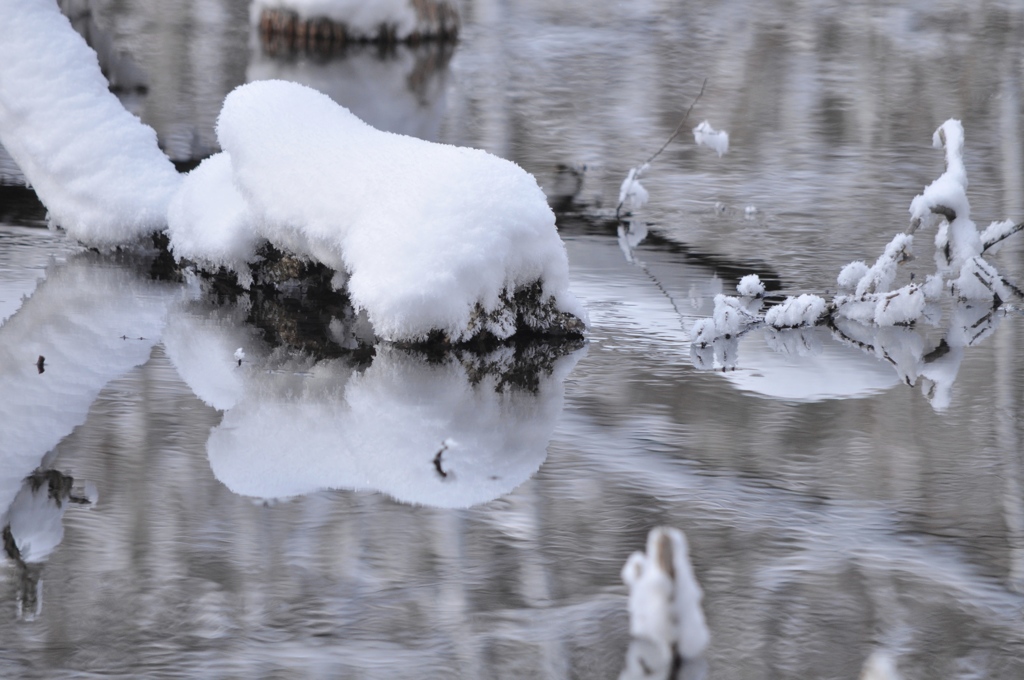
(868, 296)
(631, 190)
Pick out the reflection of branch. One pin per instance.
(437, 460)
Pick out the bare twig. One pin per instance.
(675, 133)
(635, 172)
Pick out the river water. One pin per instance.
(316, 514)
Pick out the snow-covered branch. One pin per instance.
(869, 297)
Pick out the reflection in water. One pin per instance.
(93, 319)
(33, 528)
(399, 88)
(821, 530)
(453, 431)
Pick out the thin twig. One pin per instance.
(675, 133)
(635, 172)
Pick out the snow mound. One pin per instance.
(433, 237)
(210, 222)
(95, 166)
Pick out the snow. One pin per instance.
(664, 596)
(851, 275)
(632, 195)
(880, 277)
(901, 306)
(361, 18)
(96, 167)
(995, 233)
(750, 286)
(794, 312)
(949, 191)
(209, 221)
(979, 280)
(433, 237)
(731, 315)
(707, 136)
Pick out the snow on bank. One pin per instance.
(434, 237)
(95, 166)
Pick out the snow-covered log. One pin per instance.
(427, 238)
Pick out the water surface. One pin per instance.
(326, 514)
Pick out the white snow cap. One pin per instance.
(750, 286)
(430, 234)
(632, 194)
(664, 596)
(794, 312)
(95, 166)
(209, 221)
(707, 136)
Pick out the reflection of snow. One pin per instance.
(812, 367)
(93, 320)
(444, 433)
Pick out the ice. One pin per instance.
(96, 167)
(794, 312)
(665, 601)
(706, 135)
(433, 237)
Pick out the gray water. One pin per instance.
(831, 509)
